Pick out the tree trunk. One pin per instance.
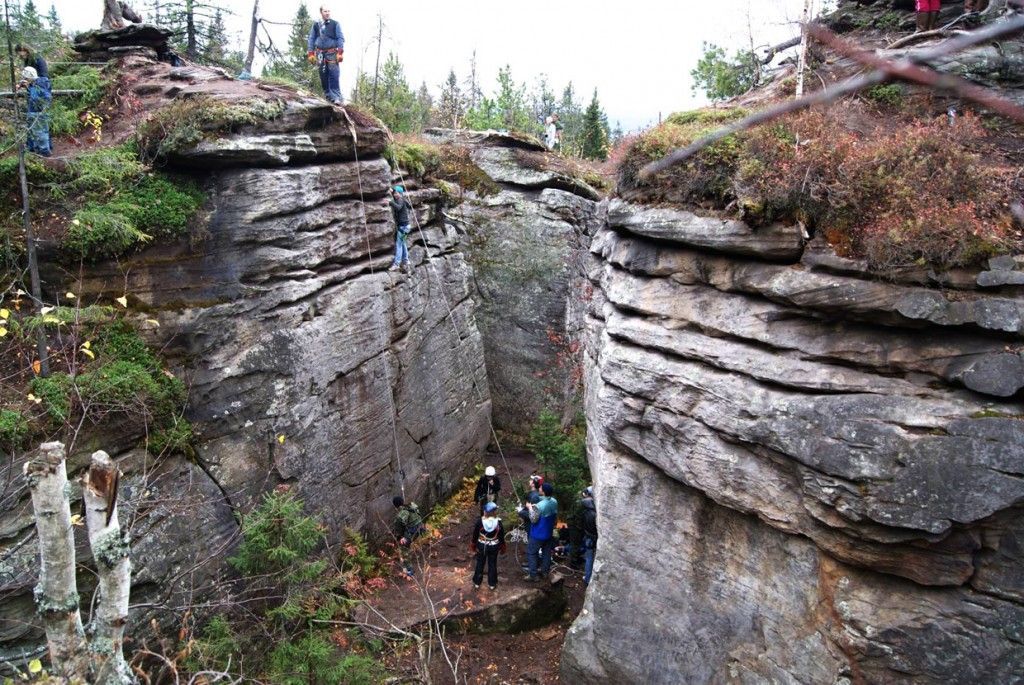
(112, 18)
(801, 64)
(57, 592)
(191, 44)
(250, 55)
(110, 549)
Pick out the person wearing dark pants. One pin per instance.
(589, 524)
(543, 517)
(326, 49)
(487, 541)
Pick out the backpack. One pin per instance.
(413, 522)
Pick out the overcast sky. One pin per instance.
(638, 53)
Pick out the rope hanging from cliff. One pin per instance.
(451, 317)
(369, 260)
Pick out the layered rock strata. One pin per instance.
(827, 468)
(309, 365)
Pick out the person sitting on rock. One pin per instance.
(38, 119)
(30, 58)
(407, 527)
(326, 48)
(400, 208)
(487, 487)
(543, 517)
(487, 541)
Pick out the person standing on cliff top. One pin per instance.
(326, 46)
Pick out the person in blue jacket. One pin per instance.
(543, 517)
(30, 58)
(326, 49)
(37, 89)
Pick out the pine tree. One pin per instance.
(511, 101)
(595, 131)
(424, 107)
(215, 40)
(53, 21)
(542, 104)
(570, 115)
(451, 108)
(473, 94)
(292, 65)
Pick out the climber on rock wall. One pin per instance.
(400, 208)
(326, 49)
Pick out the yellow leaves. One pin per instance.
(51, 319)
(443, 611)
(76, 222)
(153, 322)
(86, 349)
(168, 373)
(37, 367)
(69, 295)
(33, 398)
(5, 314)
(123, 301)
(46, 310)
(3, 331)
(35, 666)
(76, 520)
(280, 439)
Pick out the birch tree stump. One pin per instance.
(56, 594)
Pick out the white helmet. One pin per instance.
(489, 471)
(29, 74)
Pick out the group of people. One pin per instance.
(928, 11)
(539, 515)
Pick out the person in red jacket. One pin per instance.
(487, 541)
(927, 14)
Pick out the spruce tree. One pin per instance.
(451, 108)
(292, 65)
(570, 115)
(595, 131)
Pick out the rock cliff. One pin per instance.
(524, 242)
(827, 468)
(308, 364)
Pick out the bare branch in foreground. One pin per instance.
(847, 87)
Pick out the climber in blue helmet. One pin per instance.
(400, 208)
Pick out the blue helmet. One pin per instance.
(489, 507)
(399, 189)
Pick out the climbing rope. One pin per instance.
(369, 260)
(451, 317)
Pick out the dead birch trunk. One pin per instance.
(57, 593)
(801, 65)
(98, 658)
(110, 550)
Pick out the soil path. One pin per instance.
(444, 569)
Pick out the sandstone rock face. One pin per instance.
(827, 467)
(308, 363)
(524, 245)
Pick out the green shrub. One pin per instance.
(414, 158)
(55, 393)
(105, 170)
(312, 658)
(890, 95)
(158, 206)
(13, 429)
(98, 232)
(65, 113)
(176, 438)
(562, 456)
(277, 537)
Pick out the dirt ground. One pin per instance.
(444, 570)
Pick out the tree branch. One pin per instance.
(901, 69)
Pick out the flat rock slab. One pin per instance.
(511, 608)
(777, 241)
